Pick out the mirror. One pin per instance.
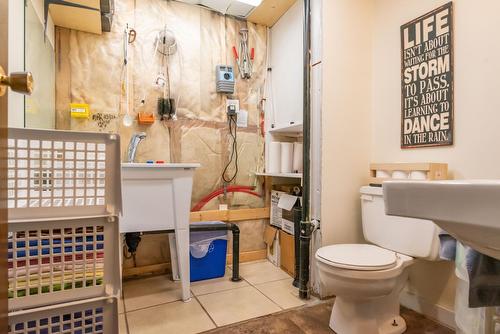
(39, 59)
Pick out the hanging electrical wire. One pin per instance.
(234, 151)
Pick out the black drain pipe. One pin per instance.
(305, 224)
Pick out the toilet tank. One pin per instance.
(413, 237)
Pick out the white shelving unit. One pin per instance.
(292, 130)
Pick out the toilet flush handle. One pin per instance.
(367, 198)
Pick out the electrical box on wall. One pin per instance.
(232, 107)
(224, 79)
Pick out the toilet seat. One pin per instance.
(362, 257)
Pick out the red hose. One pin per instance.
(218, 192)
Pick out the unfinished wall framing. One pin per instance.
(89, 69)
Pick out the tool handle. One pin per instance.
(235, 53)
(252, 54)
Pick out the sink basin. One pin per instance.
(469, 210)
(153, 194)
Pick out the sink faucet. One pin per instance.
(132, 145)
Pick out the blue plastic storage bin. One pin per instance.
(207, 254)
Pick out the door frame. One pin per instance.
(16, 40)
(4, 62)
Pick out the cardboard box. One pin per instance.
(276, 212)
(287, 249)
(272, 240)
(286, 203)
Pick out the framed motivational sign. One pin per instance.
(427, 79)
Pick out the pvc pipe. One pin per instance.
(305, 225)
(218, 192)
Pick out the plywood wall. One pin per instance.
(89, 70)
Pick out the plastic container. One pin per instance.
(58, 261)
(62, 174)
(96, 316)
(207, 254)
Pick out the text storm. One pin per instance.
(427, 79)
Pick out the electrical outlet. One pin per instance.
(232, 107)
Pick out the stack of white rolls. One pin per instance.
(285, 157)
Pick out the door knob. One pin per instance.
(20, 82)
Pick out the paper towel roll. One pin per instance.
(297, 158)
(274, 157)
(286, 157)
(418, 175)
(383, 174)
(399, 174)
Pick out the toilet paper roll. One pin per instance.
(286, 157)
(383, 174)
(297, 158)
(399, 174)
(418, 175)
(274, 157)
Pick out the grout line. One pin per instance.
(150, 306)
(224, 290)
(122, 298)
(281, 279)
(126, 323)
(271, 281)
(262, 293)
(204, 309)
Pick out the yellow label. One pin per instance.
(80, 110)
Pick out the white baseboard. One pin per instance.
(436, 312)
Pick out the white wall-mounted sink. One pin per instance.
(467, 209)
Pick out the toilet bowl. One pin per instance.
(368, 278)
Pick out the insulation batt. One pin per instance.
(89, 70)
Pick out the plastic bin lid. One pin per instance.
(199, 236)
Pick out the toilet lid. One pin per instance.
(358, 256)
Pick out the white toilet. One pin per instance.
(367, 279)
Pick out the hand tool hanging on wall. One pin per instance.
(129, 36)
(166, 46)
(244, 58)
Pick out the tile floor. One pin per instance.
(315, 320)
(153, 305)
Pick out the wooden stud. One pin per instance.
(150, 269)
(162, 268)
(268, 187)
(230, 215)
(249, 256)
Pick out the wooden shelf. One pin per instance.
(433, 171)
(269, 11)
(288, 175)
(82, 19)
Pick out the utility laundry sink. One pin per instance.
(467, 209)
(157, 197)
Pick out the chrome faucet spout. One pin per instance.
(132, 145)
